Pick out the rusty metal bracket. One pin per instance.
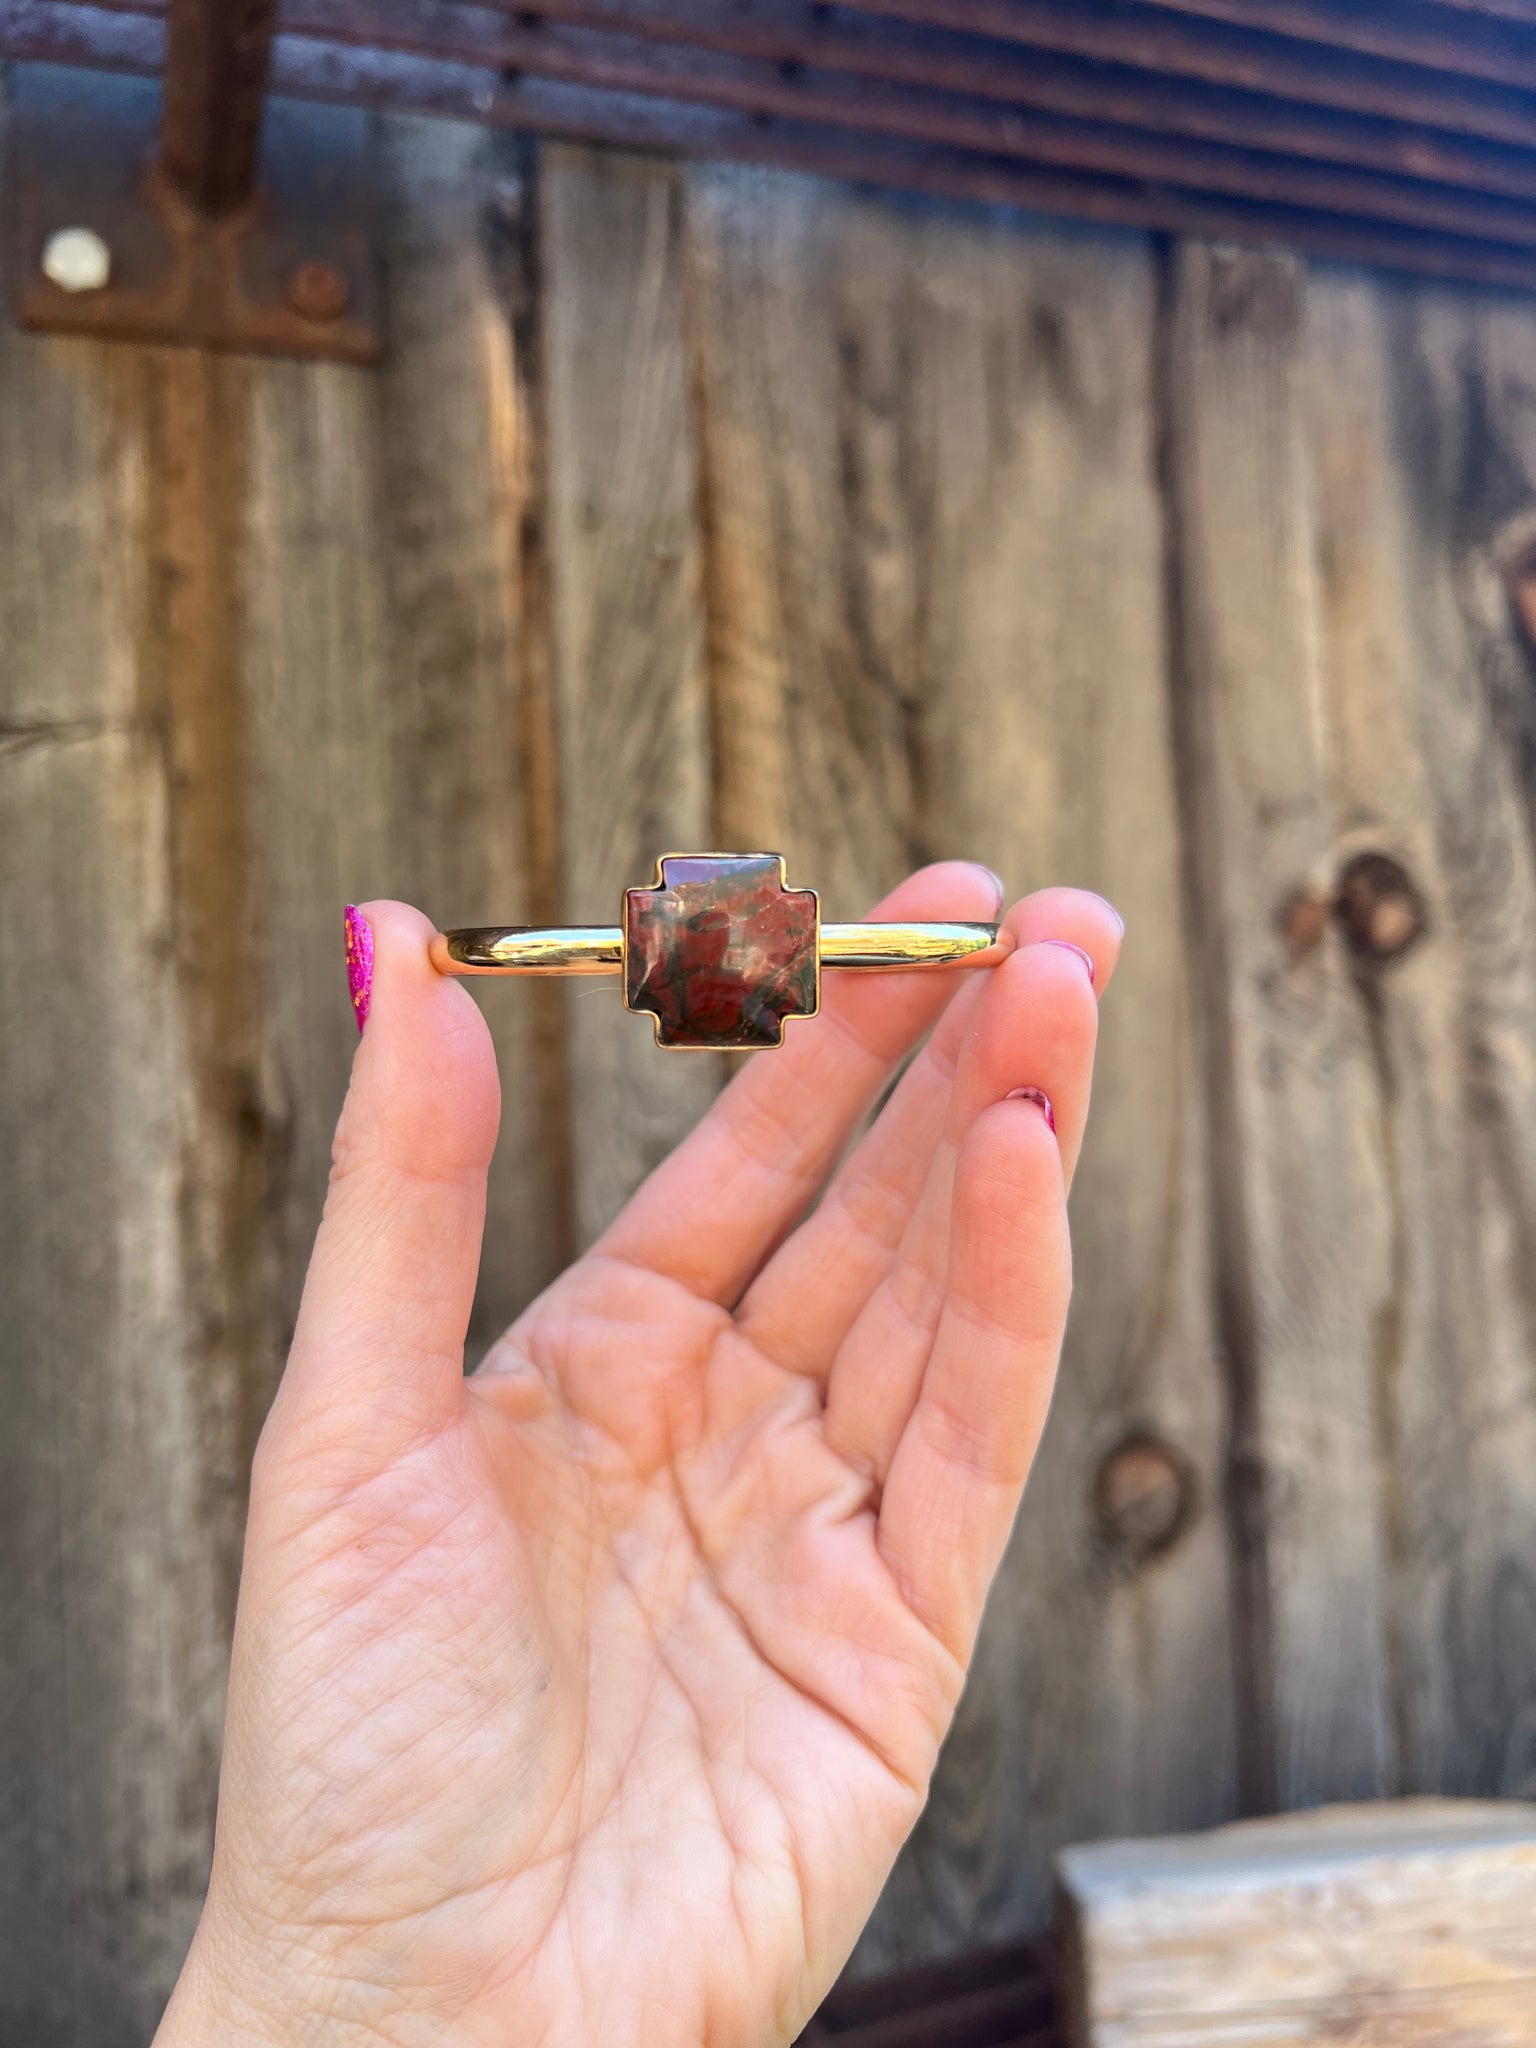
(204, 217)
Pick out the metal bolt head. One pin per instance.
(77, 260)
(318, 291)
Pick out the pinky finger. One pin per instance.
(960, 1466)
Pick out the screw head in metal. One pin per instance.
(318, 290)
(77, 260)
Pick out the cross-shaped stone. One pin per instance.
(721, 952)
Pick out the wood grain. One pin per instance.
(382, 610)
(1104, 1683)
(1394, 1925)
(719, 505)
(1302, 1237)
(627, 628)
(798, 294)
(261, 624)
(128, 1318)
(1419, 415)
(935, 563)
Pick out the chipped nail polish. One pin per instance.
(1067, 946)
(1039, 1098)
(359, 963)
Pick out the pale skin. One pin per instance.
(588, 1699)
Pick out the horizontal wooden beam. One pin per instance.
(1407, 1920)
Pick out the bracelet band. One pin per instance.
(599, 948)
(720, 951)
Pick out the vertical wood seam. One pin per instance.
(538, 710)
(712, 601)
(1234, 1308)
(232, 1150)
(1388, 1337)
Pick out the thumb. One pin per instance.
(378, 1354)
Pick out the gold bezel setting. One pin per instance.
(663, 882)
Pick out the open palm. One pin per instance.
(589, 1699)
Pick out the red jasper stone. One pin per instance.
(722, 952)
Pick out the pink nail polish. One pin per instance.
(1038, 1097)
(1068, 947)
(359, 963)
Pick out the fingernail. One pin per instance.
(1039, 1098)
(1119, 920)
(359, 963)
(997, 882)
(1068, 947)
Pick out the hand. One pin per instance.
(589, 1699)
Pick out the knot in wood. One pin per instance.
(1515, 552)
(1143, 1497)
(1304, 919)
(1379, 906)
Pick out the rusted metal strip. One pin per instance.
(216, 61)
(50, 32)
(1503, 10)
(1243, 60)
(626, 62)
(1245, 73)
(780, 33)
(1472, 45)
(1258, 89)
(751, 82)
(544, 107)
(630, 64)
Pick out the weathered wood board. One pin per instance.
(1399, 1924)
(120, 1364)
(1345, 453)
(1300, 1230)
(936, 540)
(383, 616)
(259, 627)
(702, 505)
(1421, 462)
(627, 683)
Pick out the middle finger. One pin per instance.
(802, 1305)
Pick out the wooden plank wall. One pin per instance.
(705, 504)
